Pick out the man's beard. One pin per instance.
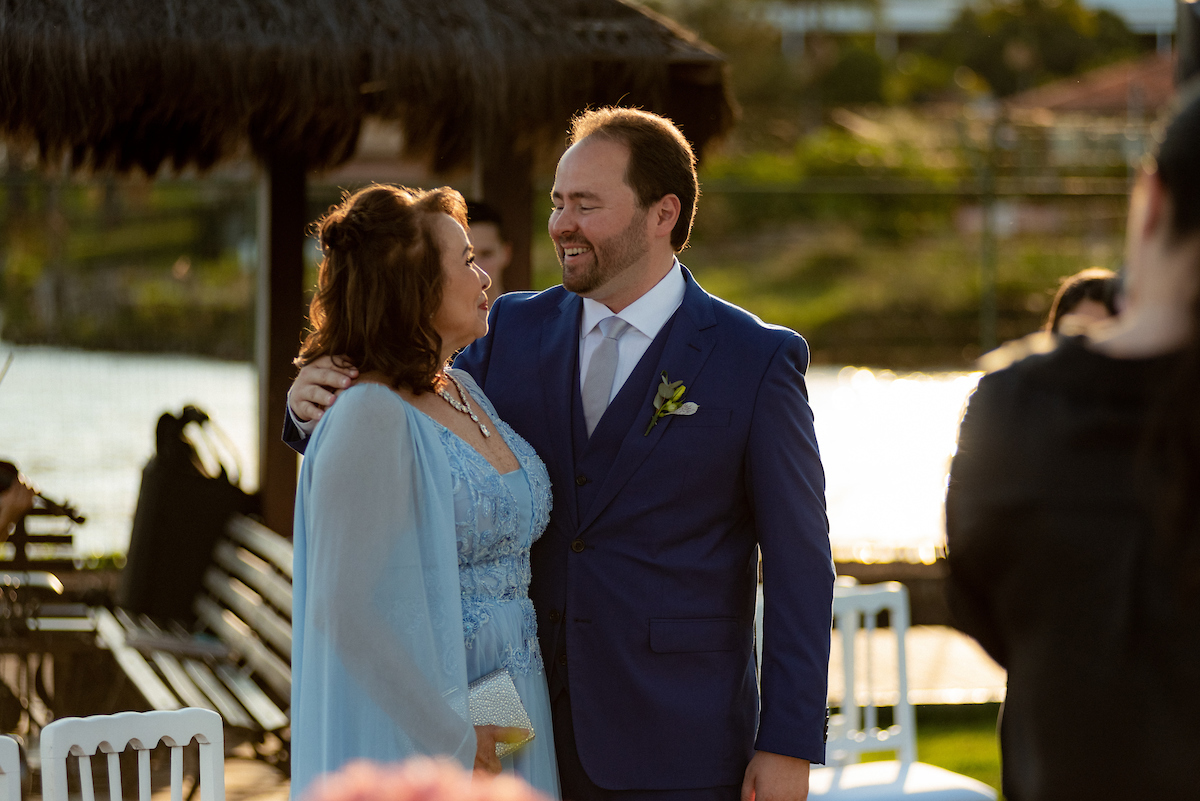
(609, 258)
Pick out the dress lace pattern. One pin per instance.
(494, 540)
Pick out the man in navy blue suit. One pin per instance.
(644, 582)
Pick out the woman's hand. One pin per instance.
(317, 385)
(486, 738)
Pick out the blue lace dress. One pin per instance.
(411, 579)
(497, 517)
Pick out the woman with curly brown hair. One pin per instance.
(1073, 522)
(415, 511)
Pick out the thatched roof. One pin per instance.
(125, 83)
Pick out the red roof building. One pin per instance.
(1131, 88)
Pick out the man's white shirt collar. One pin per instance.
(649, 313)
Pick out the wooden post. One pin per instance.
(280, 318)
(507, 185)
(988, 256)
(1187, 41)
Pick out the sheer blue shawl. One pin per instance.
(378, 661)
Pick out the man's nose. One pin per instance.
(562, 221)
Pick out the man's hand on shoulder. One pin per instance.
(775, 777)
(316, 387)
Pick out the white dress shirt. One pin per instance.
(646, 317)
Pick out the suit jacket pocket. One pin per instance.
(703, 418)
(688, 635)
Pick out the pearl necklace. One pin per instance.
(465, 406)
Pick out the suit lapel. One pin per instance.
(556, 361)
(691, 340)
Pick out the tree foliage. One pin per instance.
(787, 84)
(1017, 44)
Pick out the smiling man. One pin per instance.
(644, 582)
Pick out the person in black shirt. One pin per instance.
(1073, 522)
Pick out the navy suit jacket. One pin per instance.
(653, 583)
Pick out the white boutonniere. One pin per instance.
(669, 400)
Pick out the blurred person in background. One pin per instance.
(16, 498)
(1073, 522)
(1083, 299)
(493, 250)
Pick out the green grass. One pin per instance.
(960, 738)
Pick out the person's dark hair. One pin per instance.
(380, 283)
(661, 161)
(1094, 283)
(480, 212)
(1178, 164)
(1172, 444)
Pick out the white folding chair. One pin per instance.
(856, 729)
(10, 768)
(111, 734)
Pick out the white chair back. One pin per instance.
(111, 734)
(855, 730)
(10, 768)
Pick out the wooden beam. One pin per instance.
(279, 322)
(507, 184)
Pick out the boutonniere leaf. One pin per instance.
(669, 400)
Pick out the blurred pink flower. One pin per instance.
(418, 779)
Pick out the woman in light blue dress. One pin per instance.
(415, 511)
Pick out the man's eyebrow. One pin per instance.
(576, 195)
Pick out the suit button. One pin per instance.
(562, 660)
(577, 546)
(553, 615)
(580, 480)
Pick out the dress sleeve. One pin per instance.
(382, 567)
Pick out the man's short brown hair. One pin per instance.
(661, 161)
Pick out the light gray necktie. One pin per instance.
(597, 384)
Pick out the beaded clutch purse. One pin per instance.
(494, 701)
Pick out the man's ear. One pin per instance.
(664, 215)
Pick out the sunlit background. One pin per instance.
(908, 182)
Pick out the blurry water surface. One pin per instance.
(886, 441)
(81, 426)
